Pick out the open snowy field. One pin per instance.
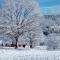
(28, 54)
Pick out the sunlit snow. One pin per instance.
(28, 54)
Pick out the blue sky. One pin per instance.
(43, 4)
(1, 3)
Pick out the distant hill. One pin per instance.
(52, 16)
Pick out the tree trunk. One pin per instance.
(31, 46)
(31, 43)
(16, 46)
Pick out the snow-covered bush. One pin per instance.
(53, 41)
(41, 47)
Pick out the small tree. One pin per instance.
(31, 36)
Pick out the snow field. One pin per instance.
(29, 54)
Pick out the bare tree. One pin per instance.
(20, 16)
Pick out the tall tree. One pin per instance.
(19, 16)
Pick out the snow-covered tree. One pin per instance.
(53, 40)
(19, 17)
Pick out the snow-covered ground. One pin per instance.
(28, 54)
